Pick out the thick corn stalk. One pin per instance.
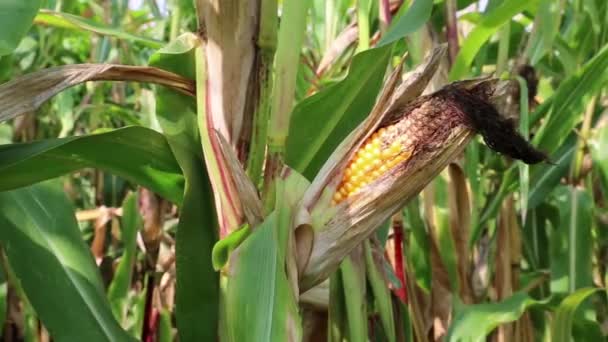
(228, 93)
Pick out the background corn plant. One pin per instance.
(118, 219)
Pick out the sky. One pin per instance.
(136, 4)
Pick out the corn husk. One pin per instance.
(437, 127)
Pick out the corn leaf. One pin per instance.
(337, 320)
(320, 122)
(258, 287)
(352, 272)
(28, 92)
(569, 99)
(416, 16)
(138, 154)
(489, 25)
(418, 251)
(197, 303)
(74, 22)
(40, 232)
(546, 27)
(16, 17)
(545, 177)
(561, 327)
(382, 294)
(121, 282)
(3, 300)
(262, 279)
(474, 322)
(599, 149)
(571, 243)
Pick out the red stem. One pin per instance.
(451, 29)
(399, 267)
(150, 323)
(385, 12)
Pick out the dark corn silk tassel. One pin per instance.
(498, 133)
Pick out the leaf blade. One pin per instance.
(138, 154)
(16, 17)
(40, 232)
(482, 32)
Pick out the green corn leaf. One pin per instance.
(561, 327)
(197, 292)
(569, 100)
(223, 248)
(118, 292)
(545, 177)
(416, 16)
(320, 122)
(165, 327)
(259, 288)
(524, 129)
(482, 32)
(74, 22)
(381, 292)
(16, 17)
(45, 249)
(352, 271)
(572, 242)
(599, 149)
(138, 154)
(261, 271)
(474, 322)
(418, 252)
(546, 27)
(3, 300)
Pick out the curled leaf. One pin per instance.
(222, 249)
(246, 191)
(28, 92)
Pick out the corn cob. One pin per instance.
(393, 145)
(419, 125)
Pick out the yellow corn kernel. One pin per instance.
(344, 192)
(338, 197)
(380, 153)
(395, 147)
(376, 142)
(368, 168)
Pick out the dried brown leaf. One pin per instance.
(503, 276)
(230, 27)
(345, 39)
(245, 190)
(26, 93)
(460, 221)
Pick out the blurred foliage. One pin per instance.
(491, 249)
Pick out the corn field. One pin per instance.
(338, 170)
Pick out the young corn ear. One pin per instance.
(403, 144)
